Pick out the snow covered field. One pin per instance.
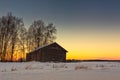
(60, 71)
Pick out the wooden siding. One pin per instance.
(52, 52)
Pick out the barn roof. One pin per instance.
(49, 45)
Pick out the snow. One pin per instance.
(60, 71)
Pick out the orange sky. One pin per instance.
(88, 29)
(88, 44)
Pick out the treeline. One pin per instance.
(95, 60)
(16, 40)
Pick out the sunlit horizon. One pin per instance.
(86, 29)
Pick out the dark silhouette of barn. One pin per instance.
(51, 52)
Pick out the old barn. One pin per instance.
(51, 52)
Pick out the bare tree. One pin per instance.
(22, 41)
(5, 24)
(15, 38)
(16, 31)
(36, 32)
(40, 35)
(9, 26)
(49, 35)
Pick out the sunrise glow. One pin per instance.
(94, 45)
(86, 29)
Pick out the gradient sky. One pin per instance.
(88, 29)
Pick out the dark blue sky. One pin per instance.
(65, 11)
(88, 27)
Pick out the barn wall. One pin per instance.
(34, 56)
(52, 52)
(53, 55)
(28, 57)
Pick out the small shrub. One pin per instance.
(28, 67)
(102, 66)
(81, 67)
(60, 66)
(55, 66)
(13, 69)
(3, 70)
(47, 64)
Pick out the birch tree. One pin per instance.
(9, 31)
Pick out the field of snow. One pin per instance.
(60, 71)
